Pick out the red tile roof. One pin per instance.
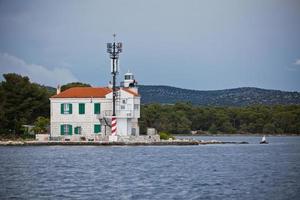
(130, 91)
(84, 92)
(88, 92)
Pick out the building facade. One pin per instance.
(84, 113)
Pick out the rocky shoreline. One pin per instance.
(106, 143)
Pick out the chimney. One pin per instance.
(58, 89)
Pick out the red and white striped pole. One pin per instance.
(113, 125)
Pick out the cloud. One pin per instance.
(295, 66)
(297, 62)
(37, 73)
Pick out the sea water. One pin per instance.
(222, 171)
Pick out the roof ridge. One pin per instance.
(87, 92)
(84, 92)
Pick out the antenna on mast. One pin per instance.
(114, 49)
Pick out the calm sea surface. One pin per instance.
(250, 171)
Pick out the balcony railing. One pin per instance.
(120, 113)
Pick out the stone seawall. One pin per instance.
(101, 143)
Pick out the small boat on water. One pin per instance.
(263, 140)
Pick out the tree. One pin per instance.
(150, 116)
(197, 119)
(2, 113)
(227, 128)
(182, 123)
(284, 120)
(269, 128)
(40, 125)
(22, 102)
(74, 84)
(213, 129)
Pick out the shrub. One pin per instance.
(165, 136)
(40, 125)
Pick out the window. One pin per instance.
(122, 107)
(136, 106)
(97, 128)
(97, 108)
(66, 108)
(77, 130)
(66, 129)
(124, 101)
(81, 108)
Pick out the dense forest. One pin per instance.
(25, 103)
(183, 118)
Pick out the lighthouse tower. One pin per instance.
(129, 82)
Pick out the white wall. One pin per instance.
(122, 126)
(127, 118)
(86, 121)
(128, 111)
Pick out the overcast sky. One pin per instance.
(196, 44)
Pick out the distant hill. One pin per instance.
(52, 90)
(229, 97)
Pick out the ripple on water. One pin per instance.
(191, 172)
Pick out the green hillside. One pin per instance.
(229, 97)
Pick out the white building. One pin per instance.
(84, 113)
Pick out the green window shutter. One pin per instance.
(70, 108)
(76, 130)
(62, 108)
(81, 108)
(62, 129)
(97, 108)
(70, 129)
(97, 128)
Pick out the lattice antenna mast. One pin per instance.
(114, 49)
